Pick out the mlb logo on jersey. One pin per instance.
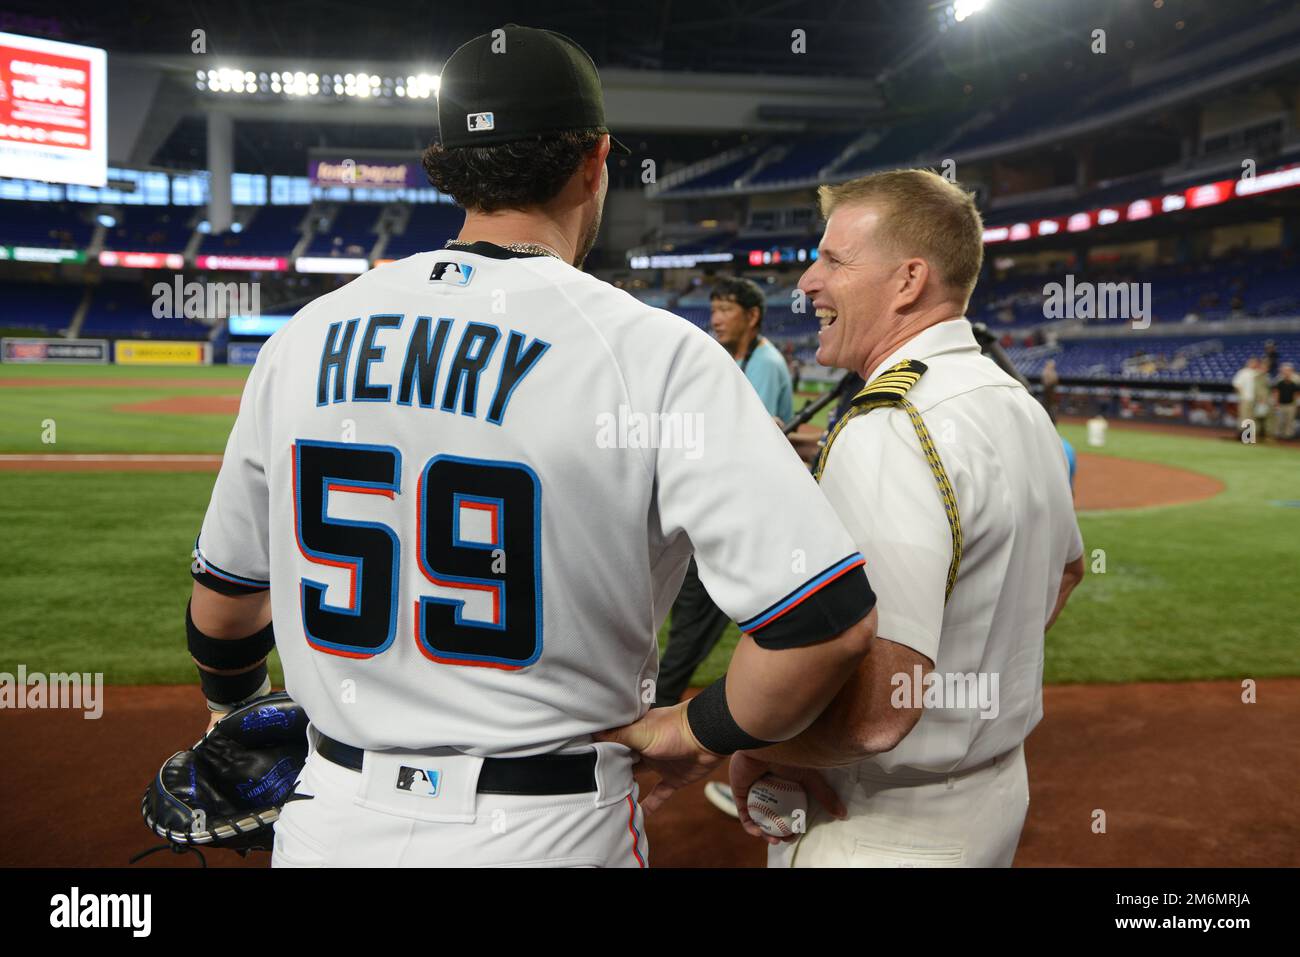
(480, 122)
(454, 273)
(422, 781)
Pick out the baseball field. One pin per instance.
(1173, 704)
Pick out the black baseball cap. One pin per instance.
(518, 84)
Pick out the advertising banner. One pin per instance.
(53, 101)
(358, 169)
(242, 353)
(131, 260)
(334, 265)
(54, 350)
(160, 353)
(252, 263)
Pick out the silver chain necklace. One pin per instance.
(528, 249)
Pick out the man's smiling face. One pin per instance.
(850, 286)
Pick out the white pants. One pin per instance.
(362, 819)
(964, 820)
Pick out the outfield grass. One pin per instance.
(1205, 590)
(85, 419)
(94, 573)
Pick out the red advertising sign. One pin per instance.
(142, 260)
(255, 263)
(1209, 194)
(1195, 197)
(52, 105)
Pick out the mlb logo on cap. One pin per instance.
(480, 122)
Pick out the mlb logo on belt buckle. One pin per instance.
(480, 122)
(454, 273)
(421, 781)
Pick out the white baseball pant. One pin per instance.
(970, 819)
(361, 819)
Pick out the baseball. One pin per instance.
(778, 806)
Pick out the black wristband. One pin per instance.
(228, 654)
(714, 727)
(232, 689)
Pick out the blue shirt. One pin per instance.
(770, 376)
(1069, 458)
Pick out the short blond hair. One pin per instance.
(922, 215)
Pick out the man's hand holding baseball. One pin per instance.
(746, 769)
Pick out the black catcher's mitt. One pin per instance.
(227, 790)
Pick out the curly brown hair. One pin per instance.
(509, 175)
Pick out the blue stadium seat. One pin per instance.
(430, 226)
(48, 225)
(351, 234)
(163, 229)
(273, 231)
(125, 309)
(38, 306)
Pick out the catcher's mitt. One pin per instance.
(227, 790)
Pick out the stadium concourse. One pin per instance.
(1137, 168)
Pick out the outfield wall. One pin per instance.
(155, 352)
(135, 352)
(38, 350)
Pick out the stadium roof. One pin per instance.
(889, 39)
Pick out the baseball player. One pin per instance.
(459, 496)
(954, 484)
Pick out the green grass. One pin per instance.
(1204, 590)
(85, 419)
(1198, 591)
(94, 572)
(111, 373)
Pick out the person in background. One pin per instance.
(696, 621)
(792, 363)
(1243, 383)
(1263, 398)
(1284, 401)
(1071, 459)
(1051, 380)
(736, 318)
(1272, 361)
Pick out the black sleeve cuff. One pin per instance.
(219, 580)
(224, 586)
(816, 611)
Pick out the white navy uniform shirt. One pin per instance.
(1007, 466)
(472, 480)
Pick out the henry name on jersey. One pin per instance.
(354, 352)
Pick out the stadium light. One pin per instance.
(299, 83)
(962, 9)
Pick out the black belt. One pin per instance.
(541, 774)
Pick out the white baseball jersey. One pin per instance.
(472, 480)
(1007, 468)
